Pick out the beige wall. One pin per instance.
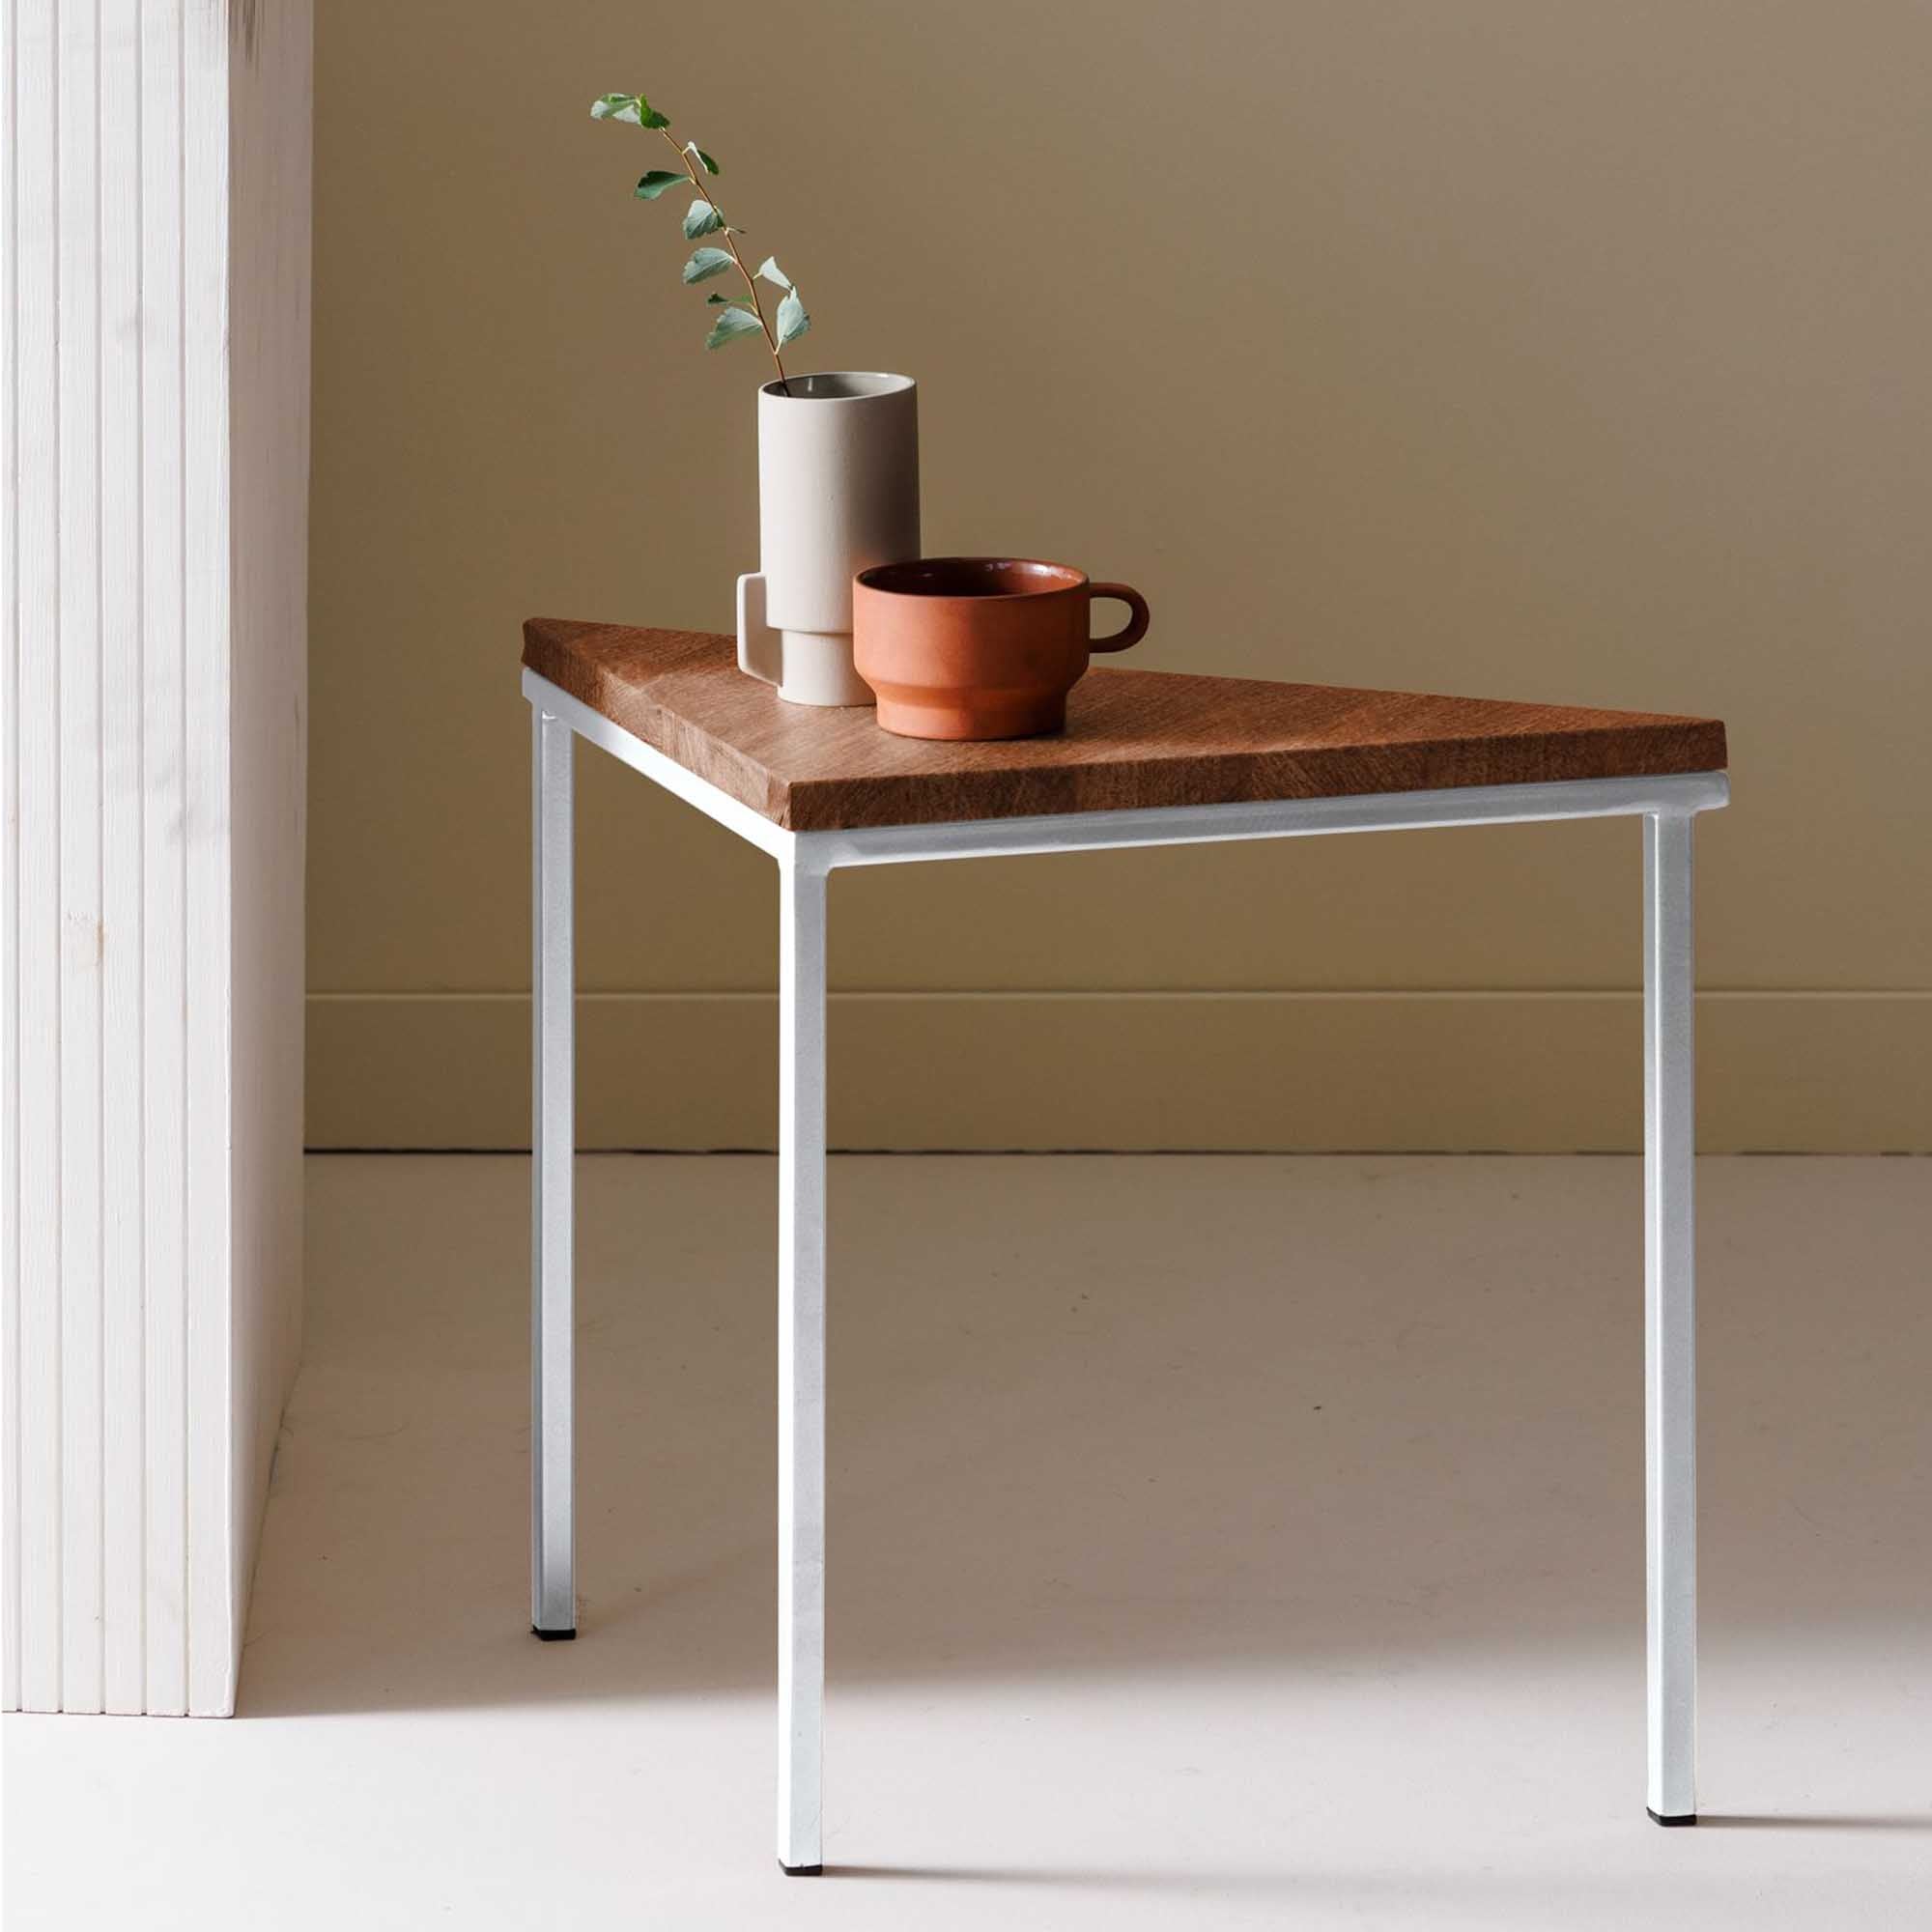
(1559, 350)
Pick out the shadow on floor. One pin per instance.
(1088, 1416)
(1905, 1821)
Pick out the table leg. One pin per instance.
(801, 1360)
(1671, 1336)
(554, 1139)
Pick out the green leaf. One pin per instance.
(772, 273)
(731, 301)
(703, 159)
(705, 262)
(631, 108)
(702, 219)
(793, 320)
(661, 181)
(731, 324)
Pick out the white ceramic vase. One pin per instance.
(838, 493)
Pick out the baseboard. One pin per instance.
(1518, 1071)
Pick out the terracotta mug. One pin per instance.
(979, 646)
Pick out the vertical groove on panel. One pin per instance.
(187, 833)
(140, 696)
(98, 1662)
(185, 809)
(56, 1017)
(78, 512)
(186, 781)
(101, 746)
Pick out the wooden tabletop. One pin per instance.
(1132, 738)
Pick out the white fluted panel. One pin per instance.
(269, 435)
(123, 796)
(204, 833)
(164, 741)
(82, 939)
(158, 365)
(33, 1082)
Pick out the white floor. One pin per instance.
(1214, 1542)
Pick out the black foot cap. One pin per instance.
(554, 1636)
(1657, 1818)
(801, 1871)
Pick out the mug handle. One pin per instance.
(1137, 622)
(756, 639)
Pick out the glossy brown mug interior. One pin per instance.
(979, 646)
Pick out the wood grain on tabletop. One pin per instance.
(1133, 738)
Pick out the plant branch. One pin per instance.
(707, 194)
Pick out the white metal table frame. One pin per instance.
(1668, 806)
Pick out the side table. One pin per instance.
(1148, 758)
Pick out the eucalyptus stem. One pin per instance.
(709, 194)
(739, 317)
